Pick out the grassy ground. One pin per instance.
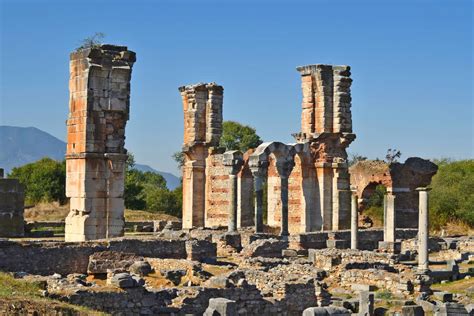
(45, 212)
(20, 292)
(459, 286)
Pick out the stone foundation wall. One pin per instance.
(67, 258)
(368, 239)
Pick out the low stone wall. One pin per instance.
(368, 238)
(46, 258)
(134, 301)
(66, 258)
(349, 258)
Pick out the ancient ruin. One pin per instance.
(99, 104)
(401, 181)
(307, 183)
(12, 203)
(222, 258)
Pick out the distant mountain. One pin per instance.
(22, 145)
(172, 181)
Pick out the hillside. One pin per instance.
(22, 145)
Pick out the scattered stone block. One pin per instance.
(366, 303)
(451, 309)
(141, 268)
(323, 311)
(444, 296)
(100, 262)
(269, 248)
(289, 253)
(123, 280)
(173, 275)
(221, 307)
(201, 250)
(219, 282)
(363, 287)
(158, 226)
(412, 310)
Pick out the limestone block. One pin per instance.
(323, 311)
(221, 307)
(412, 310)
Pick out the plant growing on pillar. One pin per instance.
(392, 155)
(92, 41)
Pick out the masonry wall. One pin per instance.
(95, 157)
(12, 200)
(67, 258)
(217, 192)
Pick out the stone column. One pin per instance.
(354, 220)
(259, 173)
(99, 103)
(389, 217)
(423, 229)
(202, 109)
(284, 166)
(233, 161)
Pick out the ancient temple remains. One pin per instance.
(307, 182)
(12, 203)
(95, 158)
(401, 181)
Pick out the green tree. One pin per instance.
(44, 180)
(162, 200)
(236, 136)
(452, 195)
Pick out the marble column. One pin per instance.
(259, 173)
(233, 161)
(389, 217)
(354, 220)
(423, 229)
(284, 167)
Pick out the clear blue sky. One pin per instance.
(411, 62)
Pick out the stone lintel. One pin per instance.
(398, 190)
(423, 189)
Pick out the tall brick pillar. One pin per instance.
(326, 124)
(99, 104)
(202, 107)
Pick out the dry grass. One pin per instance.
(53, 212)
(13, 291)
(47, 212)
(460, 286)
(134, 216)
(454, 228)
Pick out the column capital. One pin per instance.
(233, 161)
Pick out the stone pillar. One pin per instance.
(354, 220)
(423, 229)
(202, 108)
(389, 243)
(326, 124)
(12, 204)
(233, 161)
(389, 217)
(259, 173)
(95, 157)
(284, 167)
